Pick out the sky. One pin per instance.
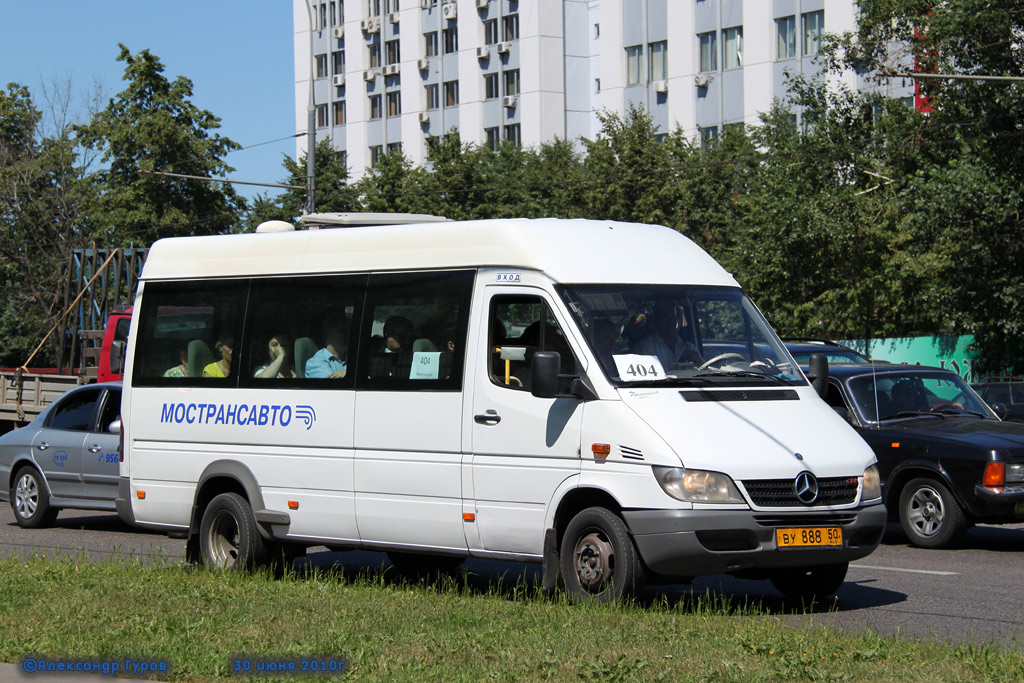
(238, 55)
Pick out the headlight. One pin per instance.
(1014, 472)
(872, 484)
(697, 486)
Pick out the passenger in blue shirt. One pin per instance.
(332, 360)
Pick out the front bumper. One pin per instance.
(688, 543)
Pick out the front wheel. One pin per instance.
(810, 584)
(229, 538)
(30, 500)
(929, 514)
(598, 560)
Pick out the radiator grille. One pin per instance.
(779, 492)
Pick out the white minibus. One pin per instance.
(596, 396)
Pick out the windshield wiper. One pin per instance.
(914, 413)
(960, 411)
(739, 373)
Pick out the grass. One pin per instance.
(447, 629)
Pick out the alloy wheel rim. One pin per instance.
(26, 496)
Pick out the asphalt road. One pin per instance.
(972, 593)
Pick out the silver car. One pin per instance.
(65, 458)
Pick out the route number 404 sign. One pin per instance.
(636, 368)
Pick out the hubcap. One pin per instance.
(925, 511)
(26, 496)
(222, 540)
(595, 561)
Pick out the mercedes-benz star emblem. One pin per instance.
(805, 486)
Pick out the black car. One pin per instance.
(801, 350)
(946, 460)
(1009, 394)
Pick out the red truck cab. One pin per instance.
(115, 340)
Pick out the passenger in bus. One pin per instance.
(397, 334)
(331, 362)
(181, 369)
(665, 339)
(222, 367)
(279, 349)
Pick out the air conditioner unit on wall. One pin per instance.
(339, 32)
(339, 80)
(370, 25)
(450, 11)
(369, 75)
(422, 63)
(427, 4)
(481, 4)
(483, 52)
(701, 80)
(509, 101)
(504, 47)
(393, 17)
(661, 86)
(424, 117)
(391, 70)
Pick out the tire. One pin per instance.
(598, 560)
(229, 539)
(30, 499)
(929, 515)
(810, 584)
(416, 564)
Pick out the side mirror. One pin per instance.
(544, 374)
(117, 357)
(115, 426)
(818, 373)
(1000, 409)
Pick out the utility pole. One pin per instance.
(311, 124)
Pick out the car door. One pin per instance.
(523, 447)
(100, 461)
(58, 445)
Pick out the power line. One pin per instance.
(222, 180)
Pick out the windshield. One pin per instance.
(679, 334)
(897, 395)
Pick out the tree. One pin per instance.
(153, 126)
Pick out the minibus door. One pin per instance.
(523, 447)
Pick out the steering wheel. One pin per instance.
(938, 407)
(720, 357)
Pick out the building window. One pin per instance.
(785, 29)
(491, 86)
(339, 61)
(709, 137)
(375, 153)
(375, 107)
(323, 15)
(374, 49)
(513, 135)
(659, 60)
(634, 64)
(492, 138)
(339, 113)
(450, 39)
(433, 101)
(321, 116)
(373, 7)
(394, 54)
(430, 39)
(814, 28)
(512, 82)
(732, 49)
(395, 103)
(490, 31)
(394, 148)
(708, 51)
(510, 26)
(342, 157)
(597, 85)
(321, 66)
(451, 93)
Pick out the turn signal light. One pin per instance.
(601, 450)
(293, 505)
(468, 516)
(141, 495)
(995, 474)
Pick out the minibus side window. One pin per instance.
(301, 331)
(414, 333)
(189, 333)
(519, 327)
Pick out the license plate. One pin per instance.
(811, 536)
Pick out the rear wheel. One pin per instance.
(30, 500)
(229, 538)
(929, 514)
(810, 584)
(598, 560)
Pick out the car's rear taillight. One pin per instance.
(995, 474)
